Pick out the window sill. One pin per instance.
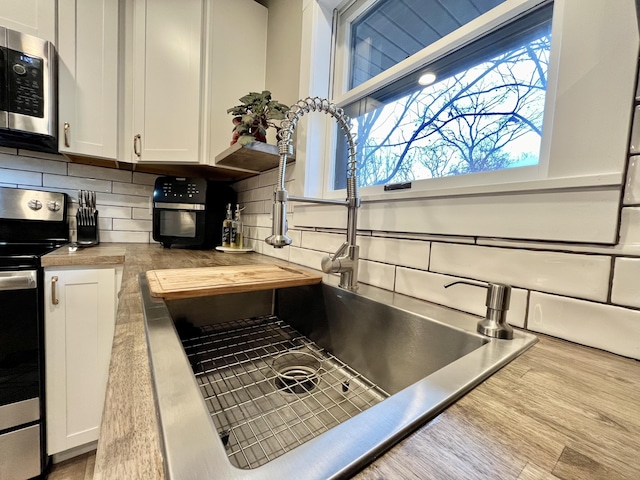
(602, 180)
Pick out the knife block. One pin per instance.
(88, 233)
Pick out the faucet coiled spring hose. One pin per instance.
(288, 125)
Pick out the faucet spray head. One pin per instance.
(278, 237)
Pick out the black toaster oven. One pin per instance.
(188, 212)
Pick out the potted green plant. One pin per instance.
(255, 116)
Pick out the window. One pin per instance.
(481, 108)
(571, 195)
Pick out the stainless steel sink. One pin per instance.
(308, 382)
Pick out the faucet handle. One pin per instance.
(340, 251)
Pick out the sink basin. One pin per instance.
(308, 382)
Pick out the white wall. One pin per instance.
(123, 198)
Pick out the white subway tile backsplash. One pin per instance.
(20, 177)
(583, 276)
(430, 286)
(607, 327)
(247, 184)
(281, 253)
(78, 183)
(102, 173)
(302, 256)
(114, 212)
(294, 235)
(124, 237)
(32, 164)
(626, 287)
(9, 185)
(45, 156)
(132, 225)
(410, 253)
(634, 146)
(268, 178)
(140, 214)
(426, 237)
(325, 242)
(377, 274)
(632, 187)
(252, 208)
(144, 178)
(119, 200)
(105, 223)
(630, 230)
(132, 189)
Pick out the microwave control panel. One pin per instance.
(26, 84)
(180, 190)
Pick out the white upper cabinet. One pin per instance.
(237, 59)
(186, 63)
(34, 17)
(88, 77)
(167, 80)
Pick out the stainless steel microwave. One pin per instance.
(28, 92)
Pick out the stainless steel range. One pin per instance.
(32, 223)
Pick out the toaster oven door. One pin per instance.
(178, 223)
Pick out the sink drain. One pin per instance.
(296, 372)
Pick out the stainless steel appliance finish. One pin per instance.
(18, 458)
(32, 223)
(494, 324)
(269, 389)
(345, 260)
(28, 103)
(423, 355)
(17, 204)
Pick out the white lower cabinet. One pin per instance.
(80, 309)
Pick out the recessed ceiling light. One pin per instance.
(427, 78)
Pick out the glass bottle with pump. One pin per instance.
(226, 228)
(237, 238)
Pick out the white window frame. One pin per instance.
(572, 195)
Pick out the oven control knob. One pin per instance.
(53, 206)
(35, 204)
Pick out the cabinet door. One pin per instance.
(78, 338)
(232, 73)
(167, 66)
(34, 17)
(88, 77)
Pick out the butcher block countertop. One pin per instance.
(559, 411)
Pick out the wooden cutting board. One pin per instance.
(177, 283)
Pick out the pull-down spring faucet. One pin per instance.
(345, 260)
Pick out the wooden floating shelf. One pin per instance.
(255, 157)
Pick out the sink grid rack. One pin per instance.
(256, 418)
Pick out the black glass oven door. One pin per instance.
(19, 343)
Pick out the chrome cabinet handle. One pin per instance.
(66, 134)
(54, 298)
(136, 144)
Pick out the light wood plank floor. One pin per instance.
(78, 468)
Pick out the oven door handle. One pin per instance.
(21, 280)
(180, 206)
